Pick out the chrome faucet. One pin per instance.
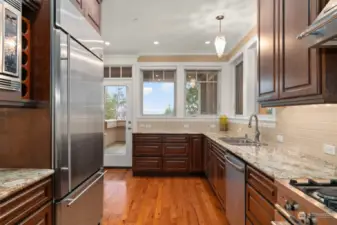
(257, 132)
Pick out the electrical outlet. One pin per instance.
(142, 125)
(212, 126)
(329, 149)
(148, 125)
(280, 138)
(186, 126)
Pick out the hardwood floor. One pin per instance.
(159, 201)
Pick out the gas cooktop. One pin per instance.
(323, 191)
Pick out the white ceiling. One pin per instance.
(181, 26)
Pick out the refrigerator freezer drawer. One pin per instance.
(84, 205)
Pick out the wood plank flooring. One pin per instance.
(132, 200)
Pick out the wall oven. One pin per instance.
(10, 45)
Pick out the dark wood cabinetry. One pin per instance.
(289, 73)
(167, 153)
(215, 170)
(30, 206)
(41, 217)
(261, 195)
(258, 210)
(197, 160)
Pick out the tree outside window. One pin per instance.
(115, 103)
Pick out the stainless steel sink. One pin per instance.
(240, 141)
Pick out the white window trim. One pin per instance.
(141, 83)
(268, 120)
(220, 71)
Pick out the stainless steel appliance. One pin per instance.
(10, 48)
(306, 202)
(78, 117)
(322, 32)
(235, 190)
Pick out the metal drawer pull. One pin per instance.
(239, 168)
(72, 200)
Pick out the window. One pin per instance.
(201, 92)
(118, 72)
(159, 92)
(115, 102)
(239, 89)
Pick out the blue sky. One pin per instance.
(157, 96)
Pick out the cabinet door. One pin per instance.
(175, 165)
(299, 65)
(41, 217)
(175, 149)
(267, 50)
(214, 162)
(196, 148)
(221, 182)
(147, 164)
(258, 210)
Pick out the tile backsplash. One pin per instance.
(178, 125)
(303, 128)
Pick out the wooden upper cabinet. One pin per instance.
(299, 65)
(267, 50)
(289, 72)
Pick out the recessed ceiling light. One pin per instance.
(107, 43)
(156, 42)
(207, 42)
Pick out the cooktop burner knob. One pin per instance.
(302, 216)
(312, 219)
(291, 206)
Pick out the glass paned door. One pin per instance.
(117, 126)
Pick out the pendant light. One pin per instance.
(220, 40)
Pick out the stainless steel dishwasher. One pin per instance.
(235, 190)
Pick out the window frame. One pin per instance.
(142, 92)
(218, 82)
(121, 66)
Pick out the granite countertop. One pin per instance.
(14, 180)
(278, 161)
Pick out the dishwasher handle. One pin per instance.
(239, 168)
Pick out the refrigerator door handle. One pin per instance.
(73, 200)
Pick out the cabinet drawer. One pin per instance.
(258, 210)
(175, 149)
(151, 164)
(175, 138)
(41, 217)
(145, 149)
(262, 184)
(25, 203)
(175, 164)
(147, 138)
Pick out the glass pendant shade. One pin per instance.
(220, 45)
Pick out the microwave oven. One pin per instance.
(10, 45)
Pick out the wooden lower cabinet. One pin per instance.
(41, 217)
(196, 154)
(147, 164)
(167, 153)
(30, 206)
(175, 165)
(258, 210)
(221, 181)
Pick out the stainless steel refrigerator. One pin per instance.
(77, 117)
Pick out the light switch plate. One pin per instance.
(186, 126)
(212, 126)
(148, 125)
(142, 125)
(329, 149)
(280, 138)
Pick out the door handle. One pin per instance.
(239, 168)
(72, 200)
